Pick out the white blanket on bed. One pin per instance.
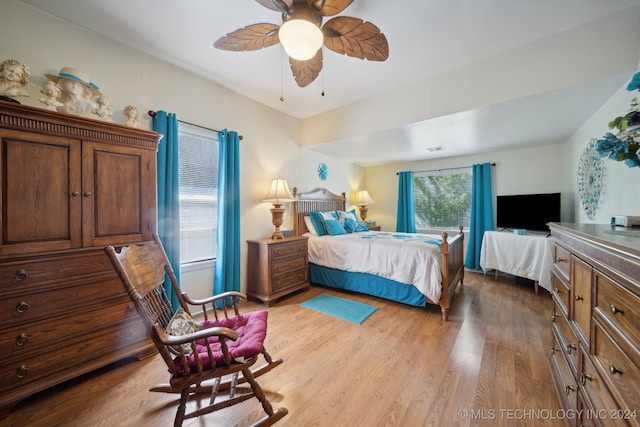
(408, 258)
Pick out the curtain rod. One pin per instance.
(443, 169)
(153, 114)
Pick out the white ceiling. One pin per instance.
(427, 39)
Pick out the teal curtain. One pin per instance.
(227, 276)
(406, 221)
(168, 194)
(481, 213)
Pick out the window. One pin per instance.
(198, 180)
(442, 199)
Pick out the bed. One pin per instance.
(439, 258)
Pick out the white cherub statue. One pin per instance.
(102, 110)
(14, 76)
(131, 116)
(51, 93)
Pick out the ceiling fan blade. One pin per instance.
(329, 7)
(305, 72)
(251, 37)
(277, 5)
(354, 37)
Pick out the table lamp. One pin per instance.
(278, 193)
(363, 199)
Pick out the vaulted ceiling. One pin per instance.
(462, 76)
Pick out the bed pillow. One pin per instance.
(309, 224)
(342, 215)
(317, 219)
(352, 226)
(333, 227)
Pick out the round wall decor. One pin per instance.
(590, 174)
(323, 171)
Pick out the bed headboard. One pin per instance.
(317, 200)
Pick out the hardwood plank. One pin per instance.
(403, 366)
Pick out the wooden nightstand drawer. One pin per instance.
(288, 264)
(567, 341)
(289, 279)
(560, 291)
(287, 249)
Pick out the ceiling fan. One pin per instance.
(302, 35)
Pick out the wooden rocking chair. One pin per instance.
(198, 354)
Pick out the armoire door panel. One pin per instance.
(40, 200)
(113, 183)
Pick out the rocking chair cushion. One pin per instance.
(252, 331)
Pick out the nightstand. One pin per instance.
(276, 267)
(374, 227)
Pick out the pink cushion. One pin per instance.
(251, 329)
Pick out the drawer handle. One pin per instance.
(615, 309)
(585, 377)
(22, 339)
(22, 371)
(569, 389)
(87, 193)
(558, 260)
(22, 307)
(570, 347)
(558, 290)
(129, 310)
(554, 316)
(75, 194)
(20, 275)
(579, 298)
(614, 370)
(554, 349)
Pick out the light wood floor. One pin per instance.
(403, 366)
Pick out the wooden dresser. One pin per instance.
(276, 268)
(70, 186)
(595, 355)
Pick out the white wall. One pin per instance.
(621, 184)
(517, 171)
(270, 146)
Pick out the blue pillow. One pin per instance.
(317, 219)
(334, 227)
(318, 223)
(350, 225)
(361, 226)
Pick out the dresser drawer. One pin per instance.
(618, 370)
(34, 335)
(289, 279)
(288, 264)
(581, 292)
(283, 250)
(560, 291)
(562, 260)
(618, 305)
(32, 306)
(52, 359)
(26, 275)
(568, 343)
(563, 377)
(603, 409)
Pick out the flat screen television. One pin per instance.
(527, 211)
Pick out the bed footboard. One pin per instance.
(452, 251)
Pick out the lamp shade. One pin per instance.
(363, 198)
(279, 192)
(300, 38)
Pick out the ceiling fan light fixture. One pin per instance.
(300, 38)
